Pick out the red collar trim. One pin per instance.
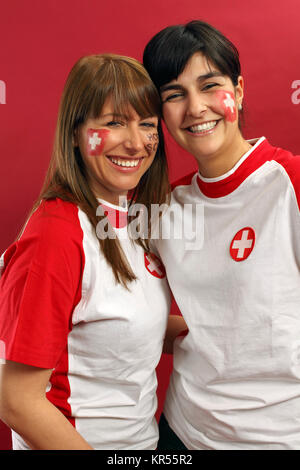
(116, 215)
(227, 184)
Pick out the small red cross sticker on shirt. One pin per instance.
(154, 265)
(242, 244)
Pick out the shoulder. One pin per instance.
(54, 218)
(57, 209)
(282, 156)
(290, 162)
(51, 234)
(290, 165)
(184, 181)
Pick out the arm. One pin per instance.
(25, 408)
(176, 325)
(39, 288)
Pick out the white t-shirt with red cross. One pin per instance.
(61, 309)
(236, 377)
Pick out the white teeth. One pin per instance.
(203, 127)
(126, 163)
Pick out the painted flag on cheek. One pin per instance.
(95, 140)
(227, 102)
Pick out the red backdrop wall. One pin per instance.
(40, 41)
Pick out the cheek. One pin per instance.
(172, 117)
(225, 105)
(152, 139)
(95, 141)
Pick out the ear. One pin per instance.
(239, 91)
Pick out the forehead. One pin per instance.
(138, 110)
(125, 111)
(199, 63)
(198, 67)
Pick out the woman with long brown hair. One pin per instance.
(83, 306)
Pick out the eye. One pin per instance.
(114, 123)
(173, 97)
(149, 124)
(208, 86)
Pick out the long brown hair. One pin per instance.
(91, 81)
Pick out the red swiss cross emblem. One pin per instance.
(154, 265)
(242, 244)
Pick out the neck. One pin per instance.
(108, 195)
(220, 163)
(115, 199)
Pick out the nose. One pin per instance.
(134, 140)
(196, 104)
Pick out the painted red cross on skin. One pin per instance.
(226, 100)
(242, 244)
(154, 265)
(96, 140)
(229, 102)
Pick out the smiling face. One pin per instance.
(116, 150)
(200, 109)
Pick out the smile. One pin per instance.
(202, 128)
(125, 163)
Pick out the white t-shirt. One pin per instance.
(236, 377)
(60, 308)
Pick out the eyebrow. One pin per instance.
(201, 78)
(124, 116)
(112, 114)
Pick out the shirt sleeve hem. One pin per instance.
(31, 359)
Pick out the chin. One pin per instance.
(202, 153)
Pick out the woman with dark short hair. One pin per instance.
(236, 378)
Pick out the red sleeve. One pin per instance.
(40, 285)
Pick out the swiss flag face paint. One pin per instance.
(227, 103)
(95, 140)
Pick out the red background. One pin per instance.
(41, 40)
